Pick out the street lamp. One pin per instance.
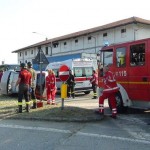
(41, 34)
(95, 41)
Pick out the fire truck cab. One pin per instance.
(131, 65)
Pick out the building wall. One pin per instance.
(83, 44)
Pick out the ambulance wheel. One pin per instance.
(119, 103)
(87, 92)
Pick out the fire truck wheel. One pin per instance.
(87, 92)
(119, 101)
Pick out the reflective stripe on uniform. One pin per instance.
(20, 103)
(95, 94)
(114, 110)
(34, 100)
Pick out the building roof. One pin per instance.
(123, 22)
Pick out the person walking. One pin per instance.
(94, 82)
(32, 91)
(24, 82)
(70, 85)
(110, 89)
(51, 87)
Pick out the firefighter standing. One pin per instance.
(70, 85)
(51, 87)
(110, 89)
(32, 92)
(24, 82)
(94, 82)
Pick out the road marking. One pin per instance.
(114, 138)
(77, 133)
(34, 128)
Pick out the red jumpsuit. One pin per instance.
(110, 89)
(51, 88)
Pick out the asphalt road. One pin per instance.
(106, 134)
(129, 131)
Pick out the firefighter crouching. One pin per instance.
(51, 87)
(24, 82)
(110, 89)
(32, 91)
(94, 82)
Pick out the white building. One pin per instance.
(87, 42)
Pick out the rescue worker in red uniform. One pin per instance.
(24, 82)
(110, 89)
(94, 82)
(51, 87)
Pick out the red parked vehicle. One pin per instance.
(130, 63)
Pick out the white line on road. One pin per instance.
(78, 133)
(34, 128)
(113, 137)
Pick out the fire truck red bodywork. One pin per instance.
(130, 63)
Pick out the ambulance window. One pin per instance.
(121, 57)
(78, 72)
(88, 71)
(107, 57)
(137, 54)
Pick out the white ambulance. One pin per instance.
(82, 70)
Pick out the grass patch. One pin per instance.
(8, 105)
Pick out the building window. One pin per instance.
(55, 44)
(46, 50)
(89, 38)
(31, 51)
(76, 41)
(26, 61)
(123, 33)
(25, 52)
(65, 43)
(20, 54)
(123, 30)
(104, 34)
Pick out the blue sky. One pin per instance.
(53, 18)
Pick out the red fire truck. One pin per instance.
(130, 63)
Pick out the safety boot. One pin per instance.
(27, 107)
(113, 116)
(34, 106)
(98, 112)
(95, 97)
(19, 110)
